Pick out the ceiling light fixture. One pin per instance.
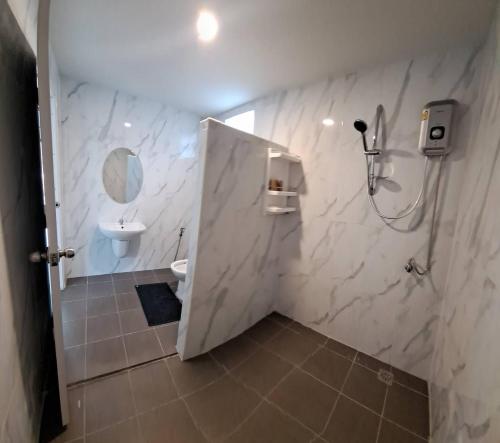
(207, 26)
(127, 124)
(328, 121)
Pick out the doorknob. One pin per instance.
(53, 258)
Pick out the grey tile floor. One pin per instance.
(278, 382)
(104, 327)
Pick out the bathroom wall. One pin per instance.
(26, 13)
(465, 393)
(341, 267)
(233, 267)
(24, 309)
(164, 138)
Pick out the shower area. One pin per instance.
(371, 246)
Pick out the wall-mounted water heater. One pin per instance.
(435, 127)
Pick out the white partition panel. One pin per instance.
(233, 254)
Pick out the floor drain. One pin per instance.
(385, 377)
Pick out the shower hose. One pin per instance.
(412, 263)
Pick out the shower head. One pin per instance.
(360, 125)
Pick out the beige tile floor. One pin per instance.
(279, 382)
(104, 327)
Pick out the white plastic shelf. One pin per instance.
(282, 193)
(278, 210)
(285, 156)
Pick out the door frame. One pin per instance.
(49, 193)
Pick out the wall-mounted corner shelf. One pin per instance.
(277, 210)
(277, 202)
(285, 156)
(282, 193)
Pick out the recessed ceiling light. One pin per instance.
(328, 121)
(127, 124)
(207, 26)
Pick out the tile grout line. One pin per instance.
(184, 402)
(330, 415)
(382, 414)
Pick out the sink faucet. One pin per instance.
(121, 221)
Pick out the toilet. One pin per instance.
(179, 269)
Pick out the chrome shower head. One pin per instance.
(360, 125)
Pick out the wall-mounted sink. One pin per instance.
(120, 234)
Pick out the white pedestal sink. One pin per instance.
(121, 234)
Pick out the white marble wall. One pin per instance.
(465, 394)
(233, 268)
(164, 138)
(26, 13)
(341, 267)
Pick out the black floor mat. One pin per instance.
(159, 303)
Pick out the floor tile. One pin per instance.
(234, 351)
(193, 374)
(122, 286)
(305, 398)
(328, 367)
(75, 363)
(220, 407)
(146, 279)
(152, 386)
(103, 278)
(138, 274)
(291, 346)
(351, 423)
(133, 320)
(100, 306)
(105, 356)
(128, 300)
(167, 334)
(391, 433)
(73, 310)
(408, 409)
(170, 423)
(410, 381)
(74, 333)
(263, 331)
(100, 290)
(371, 363)
(142, 347)
(364, 386)
(280, 318)
(122, 276)
(103, 327)
(108, 401)
(124, 432)
(71, 293)
(75, 407)
(341, 349)
(269, 425)
(165, 275)
(262, 371)
(312, 335)
(76, 281)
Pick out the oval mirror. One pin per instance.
(122, 175)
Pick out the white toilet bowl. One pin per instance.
(179, 269)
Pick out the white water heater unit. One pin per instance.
(435, 127)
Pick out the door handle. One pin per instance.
(52, 258)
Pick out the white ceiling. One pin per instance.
(150, 47)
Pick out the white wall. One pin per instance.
(26, 13)
(164, 138)
(341, 266)
(233, 267)
(465, 394)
